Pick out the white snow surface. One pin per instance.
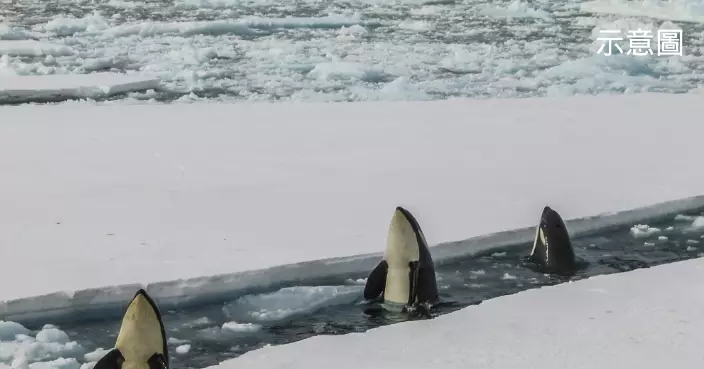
(61, 87)
(648, 318)
(195, 200)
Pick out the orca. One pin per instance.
(552, 249)
(141, 343)
(405, 278)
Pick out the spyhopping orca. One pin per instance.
(552, 248)
(405, 277)
(141, 343)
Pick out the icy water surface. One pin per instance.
(347, 50)
(221, 331)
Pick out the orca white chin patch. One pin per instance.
(402, 249)
(141, 334)
(401, 241)
(535, 240)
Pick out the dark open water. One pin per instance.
(295, 313)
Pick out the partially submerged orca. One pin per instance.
(405, 277)
(141, 343)
(552, 249)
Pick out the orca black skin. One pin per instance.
(552, 249)
(407, 252)
(141, 337)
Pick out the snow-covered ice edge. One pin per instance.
(111, 300)
(61, 87)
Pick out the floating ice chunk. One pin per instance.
(150, 29)
(20, 361)
(351, 33)
(192, 56)
(330, 21)
(347, 71)
(402, 88)
(32, 48)
(60, 363)
(289, 301)
(507, 276)
(50, 343)
(121, 4)
(467, 59)
(226, 331)
(428, 10)
(200, 322)
(95, 355)
(697, 223)
(516, 9)
(24, 337)
(682, 10)
(176, 341)
(8, 330)
(586, 21)
(241, 327)
(478, 272)
(643, 231)
(682, 217)
(355, 29)
(63, 87)
(62, 26)
(361, 281)
(104, 63)
(8, 32)
(6, 71)
(669, 229)
(418, 26)
(88, 365)
(691, 248)
(244, 26)
(692, 242)
(52, 334)
(207, 4)
(648, 244)
(498, 254)
(183, 349)
(662, 238)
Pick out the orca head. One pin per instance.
(410, 274)
(141, 342)
(404, 240)
(552, 247)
